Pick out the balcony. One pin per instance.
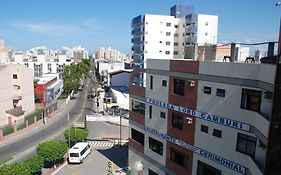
(138, 21)
(191, 29)
(138, 30)
(190, 39)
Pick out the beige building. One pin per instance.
(17, 92)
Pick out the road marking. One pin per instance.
(101, 144)
(76, 173)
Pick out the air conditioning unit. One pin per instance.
(191, 83)
(188, 120)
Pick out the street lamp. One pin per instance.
(139, 167)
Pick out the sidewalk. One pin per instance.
(32, 129)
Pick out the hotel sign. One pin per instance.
(218, 159)
(205, 116)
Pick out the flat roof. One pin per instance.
(78, 147)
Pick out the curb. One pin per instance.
(58, 169)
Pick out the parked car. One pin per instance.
(122, 171)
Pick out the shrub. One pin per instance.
(18, 169)
(35, 164)
(76, 134)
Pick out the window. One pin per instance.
(178, 157)
(160, 51)
(246, 144)
(160, 41)
(156, 146)
(167, 52)
(176, 26)
(217, 133)
(15, 76)
(203, 169)
(179, 86)
(150, 112)
(176, 53)
(207, 90)
(164, 83)
(168, 24)
(204, 128)
(176, 44)
(206, 23)
(138, 107)
(251, 100)
(137, 136)
(177, 121)
(176, 35)
(168, 33)
(151, 82)
(168, 43)
(150, 172)
(162, 114)
(206, 33)
(220, 92)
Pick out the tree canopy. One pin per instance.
(76, 134)
(18, 169)
(52, 150)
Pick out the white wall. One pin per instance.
(110, 66)
(207, 24)
(155, 31)
(262, 72)
(6, 91)
(133, 158)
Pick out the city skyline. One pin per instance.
(97, 24)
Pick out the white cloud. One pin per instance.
(86, 27)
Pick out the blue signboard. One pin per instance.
(218, 159)
(205, 116)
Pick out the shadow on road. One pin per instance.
(117, 155)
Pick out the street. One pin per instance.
(54, 129)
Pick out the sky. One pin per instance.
(25, 24)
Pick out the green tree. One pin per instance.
(52, 151)
(76, 135)
(18, 169)
(35, 164)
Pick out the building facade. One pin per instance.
(166, 37)
(109, 54)
(48, 88)
(17, 94)
(43, 61)
(198, 118)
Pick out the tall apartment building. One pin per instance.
(166, 37)
(17, 93)
(109, 54)
(79, 53)
(241, 53)
(205, 118)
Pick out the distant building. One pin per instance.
(44, 61)
(110, 55)
(17, 94)
(79, 53)
(241, 53)
(48, 88)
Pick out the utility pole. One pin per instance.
(120, 128)
(68, 130)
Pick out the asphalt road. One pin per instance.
(53, 130)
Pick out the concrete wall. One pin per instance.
(207, 29)
(262, 72)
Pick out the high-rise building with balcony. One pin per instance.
(166, 37)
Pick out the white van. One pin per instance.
(79, 152)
